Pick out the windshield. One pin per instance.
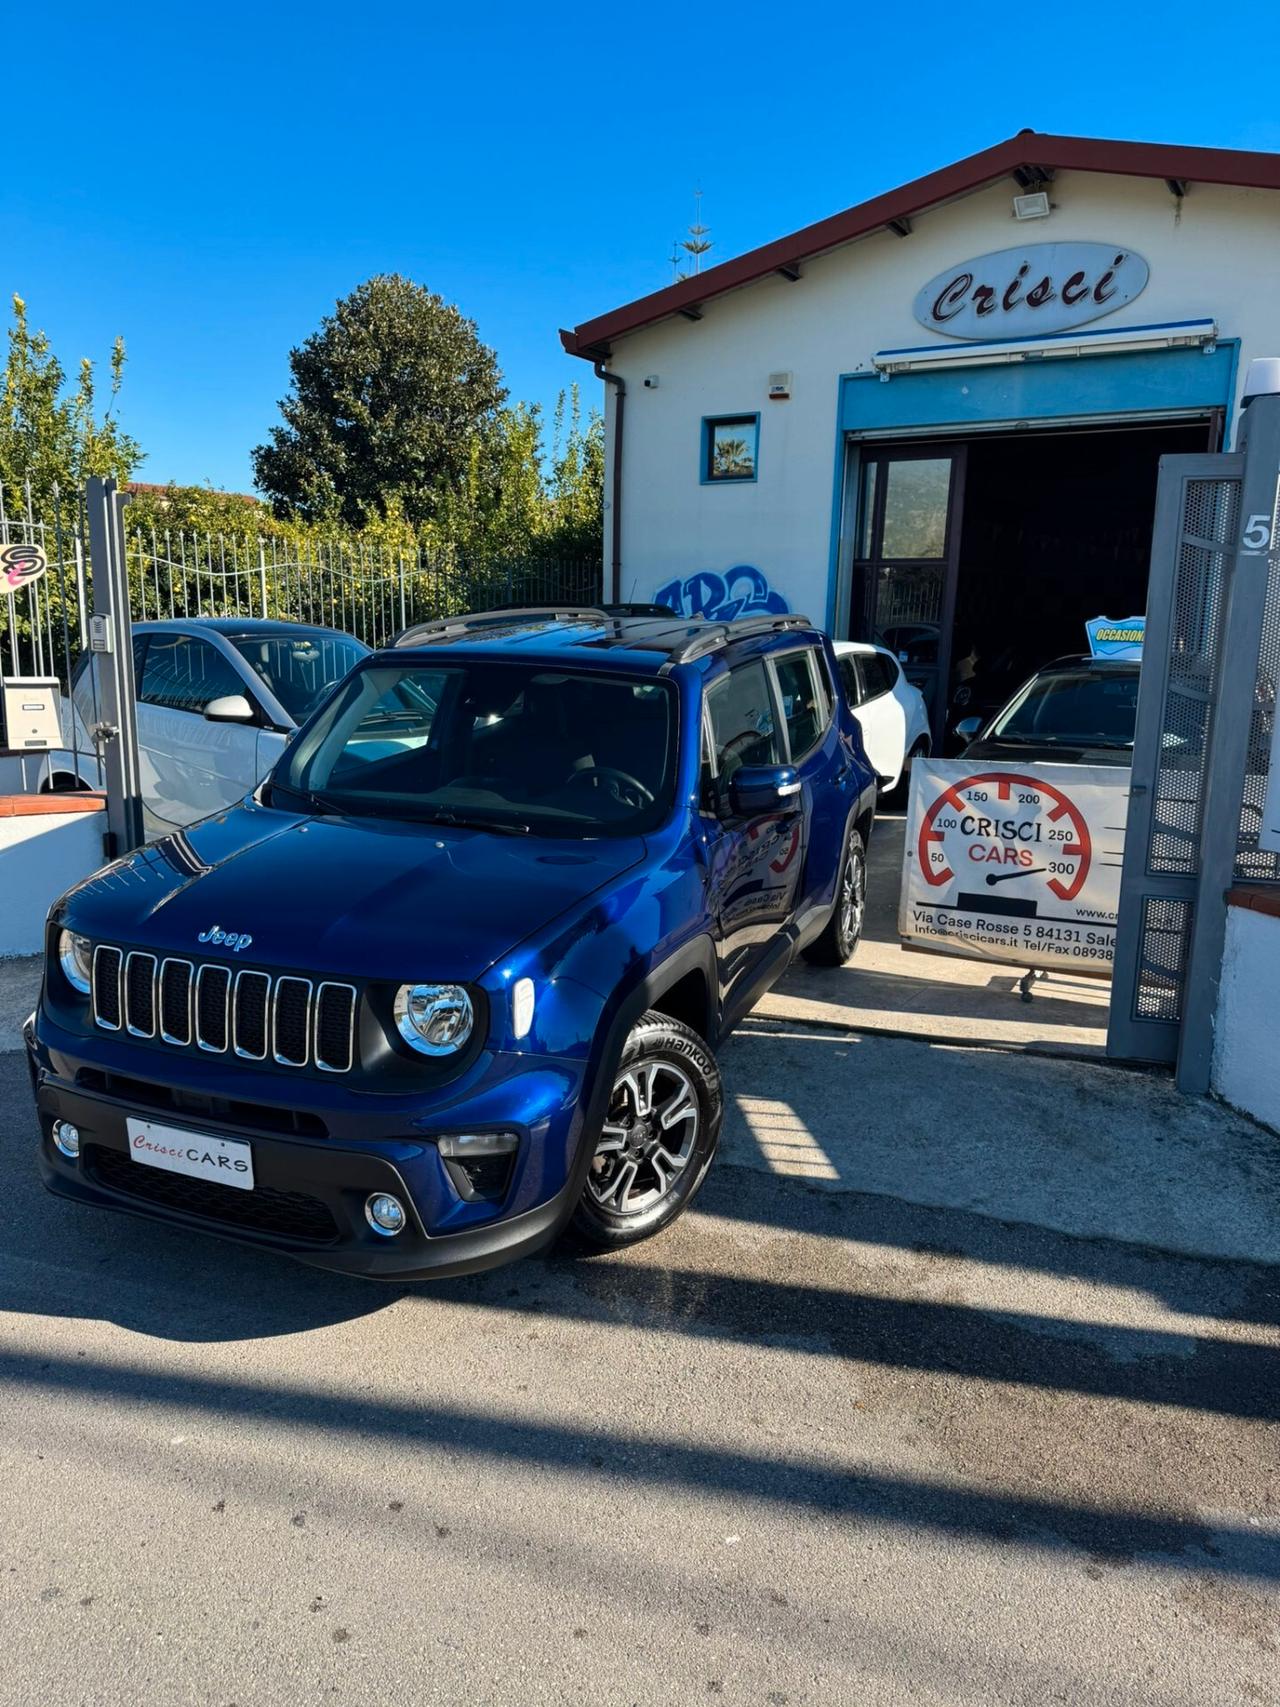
(510, 747)
(299, 669)
(1074, 707)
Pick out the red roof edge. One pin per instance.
(1029, 148)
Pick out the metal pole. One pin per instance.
(111, 636)
(262, 575)
(1227, 753)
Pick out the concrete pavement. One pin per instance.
(904, 992)
(960, 1386)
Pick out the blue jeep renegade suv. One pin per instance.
(452, 977)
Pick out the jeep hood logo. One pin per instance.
(228, 939)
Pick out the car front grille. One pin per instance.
(248, 1013)
(283, 1214)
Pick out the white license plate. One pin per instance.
(223, 1160)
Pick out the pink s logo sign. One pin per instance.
(21, 566)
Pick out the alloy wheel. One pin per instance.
(853, 896)
(648, 1138)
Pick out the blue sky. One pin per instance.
(208, 183)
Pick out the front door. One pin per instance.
(906, 559)
(190, 767)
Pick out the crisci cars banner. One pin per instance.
(1019, 863)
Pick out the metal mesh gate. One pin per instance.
(1197, 510)
(1203, 746)
(1253, 861)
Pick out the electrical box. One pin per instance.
(32, 719)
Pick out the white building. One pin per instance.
(936, 418)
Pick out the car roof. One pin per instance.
(241, 627)
(861, 647)
(1086, 661)
(592, 635)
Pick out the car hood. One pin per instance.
(344, 896)
(1045, 753)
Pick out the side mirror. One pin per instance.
(229, 708)
(757, 789)
(967, 729)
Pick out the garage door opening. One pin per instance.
(1056, 529)
(980, 560)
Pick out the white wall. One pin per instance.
(1219, 258)
(1246, 1060)
(42, 855)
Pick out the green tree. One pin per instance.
(51, 433)
(576, 485)
(389, 400)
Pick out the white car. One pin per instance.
(217, 700)
(890, 712)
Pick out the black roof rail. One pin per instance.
(718, 634)
(440, 627)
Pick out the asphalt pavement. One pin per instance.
(959, 1386)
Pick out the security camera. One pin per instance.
(1261, 380)
(651, 382)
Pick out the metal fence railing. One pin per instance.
(342, 581)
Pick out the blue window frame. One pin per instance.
(730, 449)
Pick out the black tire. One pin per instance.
(648, 1166)
(843, 930)
(900, 793)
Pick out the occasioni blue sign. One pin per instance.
(1039, 288)
(1116, 637)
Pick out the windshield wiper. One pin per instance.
(460, 821)
(313, 798)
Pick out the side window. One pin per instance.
(743, 730)
(878, 674)
(803, 703)
(185, 674)
(850, 681)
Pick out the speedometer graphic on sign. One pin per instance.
(1009, 842)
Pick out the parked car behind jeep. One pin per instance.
(217, 700)
(456, 973)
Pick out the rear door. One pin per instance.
(822, 756)
(751, 861)
(190, 767)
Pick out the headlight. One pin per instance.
(434, 1019)
(75, 955)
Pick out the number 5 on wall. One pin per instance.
(1257, 535)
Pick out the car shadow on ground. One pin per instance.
(797, 1478)
(700, 1280)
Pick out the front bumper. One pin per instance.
(309, 1194)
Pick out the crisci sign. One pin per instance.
(1039, 288)
(1020, 864)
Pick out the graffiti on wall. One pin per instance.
(740, 591)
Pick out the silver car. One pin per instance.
(217, 700)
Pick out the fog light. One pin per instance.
(67, 1138)
(385, 1214)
